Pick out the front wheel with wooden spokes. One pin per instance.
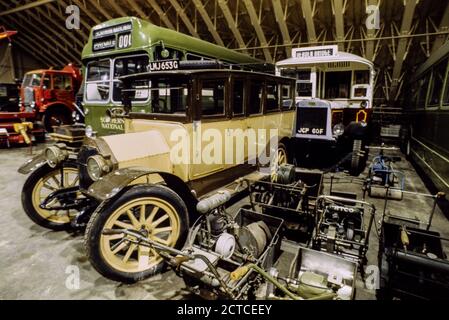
(39, 185)
(154, 212)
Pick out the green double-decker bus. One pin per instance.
(130, 45)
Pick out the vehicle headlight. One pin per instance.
(97, 166)
(89, 131)
(338, 129)
(55, 155)
(364, 104)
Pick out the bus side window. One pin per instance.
(255, 97)
(212, 97)
(272, 96)
(286, 97)
(238, 97)
(439, 73)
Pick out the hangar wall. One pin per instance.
(15, 62)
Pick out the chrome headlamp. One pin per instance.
(338, 129)
(89, 132)
(55, 155)
(98, 166)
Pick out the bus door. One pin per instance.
(208, 131)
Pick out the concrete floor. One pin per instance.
(36, 263)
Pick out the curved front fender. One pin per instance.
(33, 164)
(112, 184)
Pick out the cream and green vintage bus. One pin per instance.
(180, 144)
(130, 45)
(334, 97)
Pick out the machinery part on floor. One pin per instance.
(254, 237)
(225, 245)
(342, 227)
(208, 204)
(412, 263)
(383, 180)
(292, 200)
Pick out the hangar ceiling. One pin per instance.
(408, 30)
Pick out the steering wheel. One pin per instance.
(156, 105)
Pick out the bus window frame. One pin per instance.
(417, 103)
(265, 107)
(119, 103)
(199, 107)
(98, 102)
(445, 106)
(232, 115)
(250, 82)
(291, 88)
(190, 115)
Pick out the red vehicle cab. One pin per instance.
(50, 95)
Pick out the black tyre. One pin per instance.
(55, 117)
(153, 210)
(357, 159)
(40, 184)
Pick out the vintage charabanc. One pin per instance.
(150, 179)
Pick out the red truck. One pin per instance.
(47, 99)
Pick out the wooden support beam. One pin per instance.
(210, 25)
(181, 13)
(308, 13)
(87, 12)
(338, 7)
(162, 15)
(232, 24)
(257, 27)
(100, 9)
(27, 6)
(26, 47)
(279, 15)
(444, 25)
(117, 8)
(370, 35)
(63, 52)
(403, 44)
(139, 10)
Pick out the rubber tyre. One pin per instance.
(356, 159)
(27, 201)
(99, 218)
(58, 114)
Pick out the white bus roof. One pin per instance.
(308, 57)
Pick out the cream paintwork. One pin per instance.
(129, 150)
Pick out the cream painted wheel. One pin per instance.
(49, 184)
(39, 185)
(281, 158)
(154, 211)
(154, 218)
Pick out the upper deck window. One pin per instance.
(212, 97)
(422, 91)
(338, 84)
